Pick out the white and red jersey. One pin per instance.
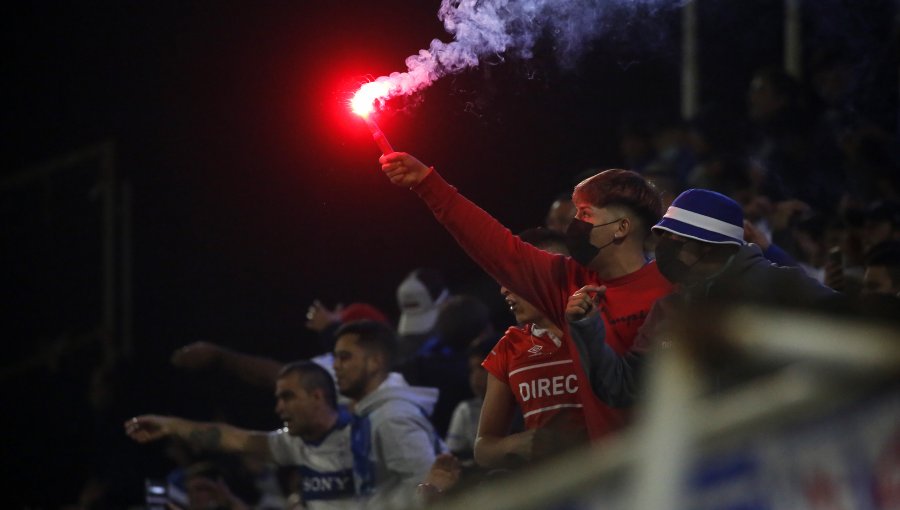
(540, 371)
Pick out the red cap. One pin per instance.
(360, 311)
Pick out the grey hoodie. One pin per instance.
(391, 426)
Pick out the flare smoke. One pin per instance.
(494, 28)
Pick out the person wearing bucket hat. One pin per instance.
(699, 233)
(700, 248)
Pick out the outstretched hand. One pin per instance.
(584, 302)
(147, 428)
(319, 317)
(403, 169)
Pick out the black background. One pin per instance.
(255, 190)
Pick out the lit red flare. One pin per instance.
(363, 104)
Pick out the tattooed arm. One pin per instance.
(206, 436)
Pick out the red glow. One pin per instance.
(363, 102)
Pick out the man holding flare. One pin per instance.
(615, 210)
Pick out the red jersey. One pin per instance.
(540, 372)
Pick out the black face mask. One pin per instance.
(578, 240)
(667, 261)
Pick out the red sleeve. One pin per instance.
(542, 278)
(497, 361)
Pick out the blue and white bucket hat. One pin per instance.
(705, 216)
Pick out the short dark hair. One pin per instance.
(623, 188)
(373, 337)
(312, 377)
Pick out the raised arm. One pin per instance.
(254, 370)
(537, 276)
(613, 377)
(206, 436)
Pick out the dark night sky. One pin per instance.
(255, 189)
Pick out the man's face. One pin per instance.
(294, 405)
(677, 257)
(606, 221)
(354, 367)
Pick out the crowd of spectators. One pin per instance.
(815, 184)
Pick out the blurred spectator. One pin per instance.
(635, 146)
(419, 297)
(811, 243)
(261, 371)
(770, 250)
(795, 164)
(442, 361)
(716, 140)
(463, 427)
(882, 274)
(844, 264)
(316, 436)
(206, 489)
(325, 322)
(882, 224)
(674, 158)
(393, 442)
(560, 214)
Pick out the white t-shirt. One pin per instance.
(464, 426)
(326, 466)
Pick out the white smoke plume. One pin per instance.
(496, 28)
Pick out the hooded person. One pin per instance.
(392, 440)
(701, 249)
